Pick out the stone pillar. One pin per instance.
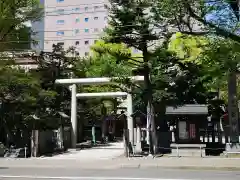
(74, 116)
(233, 108)
(138, 140)
(130, 119)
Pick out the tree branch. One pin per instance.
(136, 61)
(195, 33)
(219, 31)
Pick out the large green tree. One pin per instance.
(56, 65)
(131, 23)
(21, 100)
(216, 18)
(200, 17)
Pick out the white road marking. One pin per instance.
(82, 178)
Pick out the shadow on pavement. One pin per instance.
(89, 144)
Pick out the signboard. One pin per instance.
(109, 106)
(183, 133)
(188, 109)
(192, 131)
(98, 110)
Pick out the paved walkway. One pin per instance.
(163, 162)
(110, 151)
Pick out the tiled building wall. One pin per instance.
(74, 23)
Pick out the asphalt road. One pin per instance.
(114, 174)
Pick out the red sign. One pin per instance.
(192, 131)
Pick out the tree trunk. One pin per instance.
(233, 107)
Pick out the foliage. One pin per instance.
(131, 23)
(51, 66)
(200, 17)
(14, 16)
(219, 19)
(176, 76)
(103, 62)
(22, 100)
(219, 56)
(187, 47)
(31, 100)
(215, 55)
(175, 82)
(107, 60)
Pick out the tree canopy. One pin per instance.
(14, 17)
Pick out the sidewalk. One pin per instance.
(163, 162)
(108, 151)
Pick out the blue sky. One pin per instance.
(222, 16)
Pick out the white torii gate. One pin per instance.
(94, 81)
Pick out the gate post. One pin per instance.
(130, 125)
(74, 116)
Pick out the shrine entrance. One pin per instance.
(110, 125)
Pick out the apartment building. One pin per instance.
(72, 23)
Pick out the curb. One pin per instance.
(187, 167)
(124, 166)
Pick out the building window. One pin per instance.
(95, 18)
(60, 33)
(86, 42)
(105, 18)
(60, 11)
(77, 20)
(96, 29)
(86, 8)
(77, 43)
(86, 53)
(86, 30)
(96, 8)
(105, 6)
(60, 22)
(76, 31)
(60, 1)
(77, 53)
(86, 19)
(77, 9)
